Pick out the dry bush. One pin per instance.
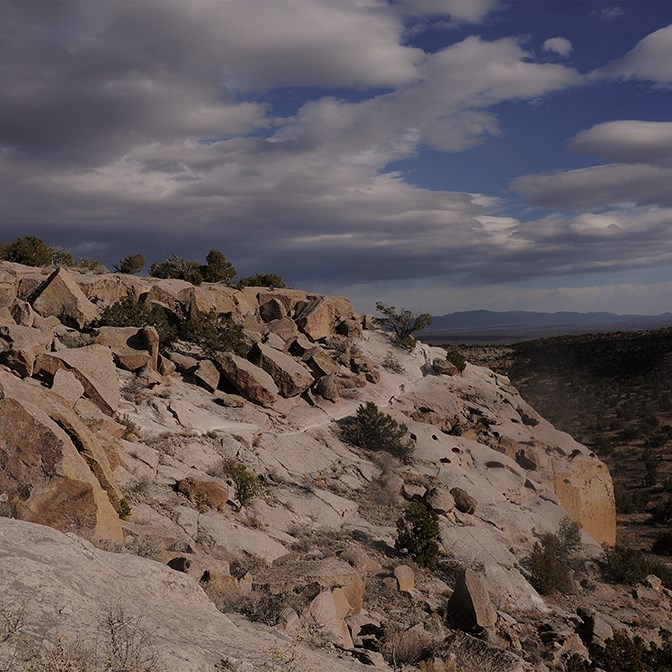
(404, 647)
(125, 644)
(66, 656)
(129, 643)
(392, 364)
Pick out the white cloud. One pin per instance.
(559, 45)
(630, 141)
(651, 60)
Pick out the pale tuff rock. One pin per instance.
(338, 503)
(188, 631)
(469, 607)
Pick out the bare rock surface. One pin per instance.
(291, 377)
(187, 630)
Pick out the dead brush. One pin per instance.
(404, 646)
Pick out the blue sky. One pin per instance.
(438, 154)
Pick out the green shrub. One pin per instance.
(374, 430)
(177, 268)
(547, 563)
(270, 280)
(218, 269)
(403, 323)
(626, 565)
(32, 251)
(650, 462)
(628, 501)
(662, 544)
(621, 653)
(124, 508)
(131, 313)
(133, 263)
(214, 333)
(418, 534)
(247, 483)
(89, 265)
(457, 358)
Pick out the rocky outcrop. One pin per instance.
(585, 490)
(321, 316)
(79, 585)
(24, 344)
(132, 347)
(102, 424)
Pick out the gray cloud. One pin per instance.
(651, 60)
(145, 126)
(629, 141)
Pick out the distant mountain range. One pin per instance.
(493, 326)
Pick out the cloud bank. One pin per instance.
(181, 126)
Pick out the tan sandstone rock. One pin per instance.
(469, 607)
(94, 368)
(60, 295)
(585, 489)
(249, 380)
(25, 344)
(291, 377)
(47, 477)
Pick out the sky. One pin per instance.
(440, 155)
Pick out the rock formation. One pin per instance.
(149, 450)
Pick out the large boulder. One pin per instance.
(209, 299)
(94, 368)
(207, 375)
(204, 492)
(60, 295)
(291, 377)
(469, 607)
(109, 288)
(249, 380)
(318, 318)
(44, 475)
(132, 347)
